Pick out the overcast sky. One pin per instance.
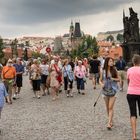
(53, 17)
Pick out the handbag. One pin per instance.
(59, 75)
(59, 78)
(35, 73)
(34, 76)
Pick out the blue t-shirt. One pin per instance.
(3, 93)
(19, 68)
(120, 65)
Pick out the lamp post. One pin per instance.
(12, 48)
(25, 54)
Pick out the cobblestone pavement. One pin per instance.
(65, 119)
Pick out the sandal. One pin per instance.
(109, 126)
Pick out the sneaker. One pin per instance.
(38, 97)
(67, 95)
(35, 96)
(60, 91)
(79, 92)
(14, 97)
(17, 96)
(44, 94)
(71, 95)
(83, 93)
(121, 89)
(68, 91)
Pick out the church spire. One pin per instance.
(123, 13)
(71, 23)
(77, 31)
(71, 31)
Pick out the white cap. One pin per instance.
(79, 61)
(9, 60)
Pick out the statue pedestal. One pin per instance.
(129, 49)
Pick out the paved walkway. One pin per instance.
(65, 119)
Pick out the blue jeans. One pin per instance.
(80, 83)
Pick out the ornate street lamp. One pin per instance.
(14, 48)
(25, 54)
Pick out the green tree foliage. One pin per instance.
(37, 54)
(27, 43)
(88, 47)
(120, 37)
(2, 59)
(95, 46)
(73, 53)
(14, 48)
(1, 48)
(110, 38)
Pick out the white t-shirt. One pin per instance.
(44, 69)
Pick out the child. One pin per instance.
(3, 95)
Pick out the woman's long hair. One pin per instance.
(65, 62)
(113, 70)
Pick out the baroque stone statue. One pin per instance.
(131, 27)
(131, 44)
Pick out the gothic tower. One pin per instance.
(71, 31)
(77, 31)
(75, 35)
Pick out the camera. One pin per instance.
(109, 78)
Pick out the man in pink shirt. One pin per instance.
(133, 93)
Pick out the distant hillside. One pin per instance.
(112, 32)
(103, 35)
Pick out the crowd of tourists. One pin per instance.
(54, 75)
